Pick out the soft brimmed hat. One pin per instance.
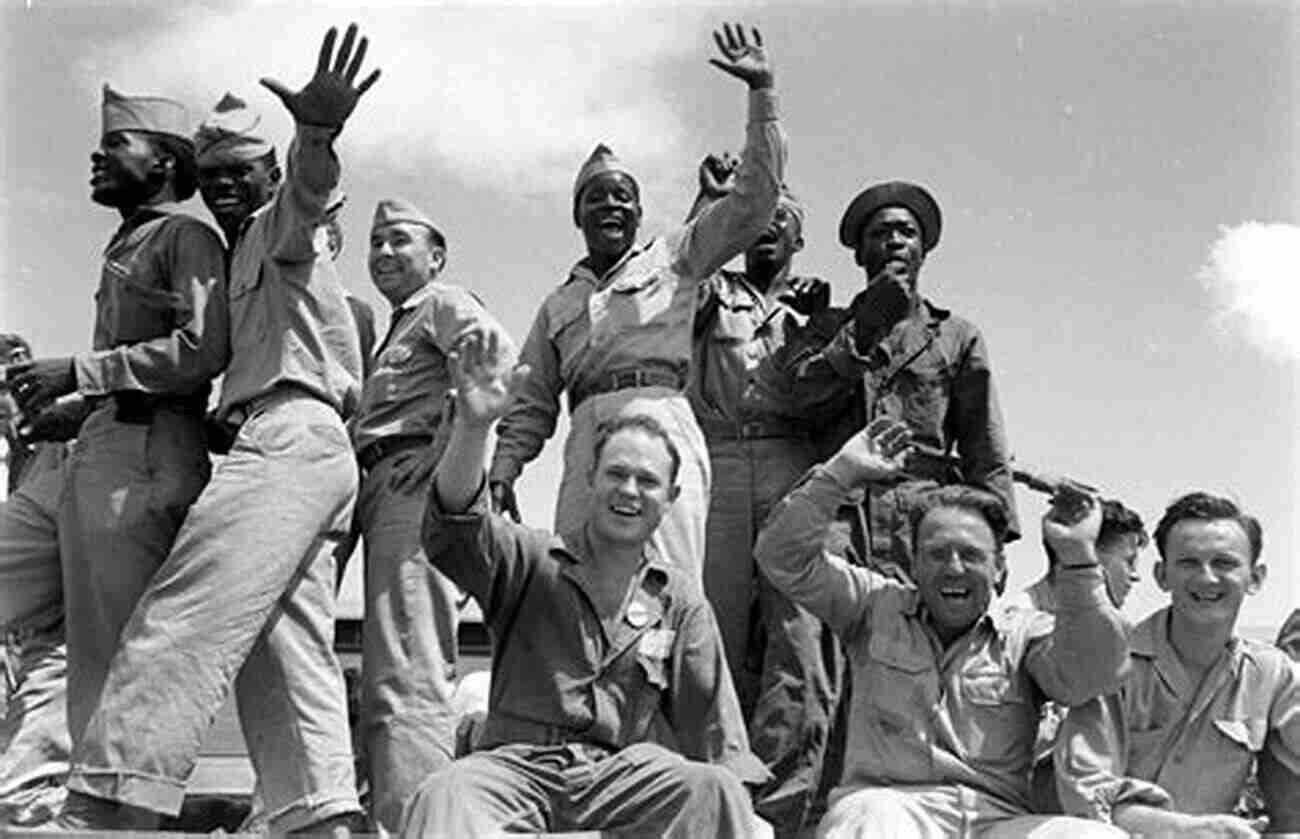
(792, 205)
(892, 194)
(150, 114)
(231, 132)
(395, 210)
(600, 161)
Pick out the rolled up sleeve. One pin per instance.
(1085, 654)
(1090, 760)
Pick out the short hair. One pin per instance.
(1201, 506)
(185, 174)
(11, 341)
(637, 422)
(435, 238)
(1116, 521)
(974, 500)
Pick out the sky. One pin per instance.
(1119, 184)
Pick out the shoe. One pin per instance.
(87, 812)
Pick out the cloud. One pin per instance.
(512, 95)
(1253, 273)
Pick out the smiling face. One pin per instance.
(958, 566)
(1207, 570)
(403, 259)
(609, 213)
(232, 189)
(632, 487)
(891, 242)
(126, 170)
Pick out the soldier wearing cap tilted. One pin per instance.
(900, 356)
(409, 657)
(160, 337)
(246, 597)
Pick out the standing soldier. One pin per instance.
(161, 336)
(247, 594)
(409, 654)
(748, 332)
(617, 335)
(900, 356)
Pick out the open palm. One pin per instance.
(743, 57)
(485, 378)
(331, 95)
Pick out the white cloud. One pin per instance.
(1253, 273)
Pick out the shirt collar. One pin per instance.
(582, 270)
(423, 293)
(144, 214)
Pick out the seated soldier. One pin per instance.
(947, 694)
(1169, 753)
(593, 633)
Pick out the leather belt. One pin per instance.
(374, 452)
(138, 408)
(625, 379)
(753, 430)
(503, 730)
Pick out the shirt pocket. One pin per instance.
(1247, 733)
(921, 391)
(142, 307)
(1001, 720)
(898, 678)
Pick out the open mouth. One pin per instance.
(630, 511)
(955, 594)
(1207, 599)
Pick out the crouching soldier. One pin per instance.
(594, 633)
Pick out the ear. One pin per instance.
(1258, 573)
(437, 261)
(797, 244)
(1158, 572)
(1000, 582)
(673, 492)
(274, 175)
(858, 258)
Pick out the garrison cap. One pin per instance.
(600, 161)
(232, 132)
(150, 114)
(792, 205)
(395, 210)
(909, 196)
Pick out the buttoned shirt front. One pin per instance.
(161, 322)
(922, 713)
(561, 674)
(747, 344)
(405, 394)
(639, 313)
(932, 371)
(290, 321)
(1165, 741)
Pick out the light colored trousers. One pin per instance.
(246, 596)
(409, 647)
(128, 488)
(784, 665)
(642, 790)
(945, 811)
(681, 535)
(34, 741)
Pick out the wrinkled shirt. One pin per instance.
(921, 713)
(556, 666)
(407, 391)
(161, 322)
(747, 345)
(1164, 741)
(932, 371)
(363, 314)
(639, 314)
(290, 321)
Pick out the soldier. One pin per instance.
(247, 594)
(900, 356)
(161, 335)
(596, 633)
(749, 332)
(409, 658)
(1169, 754)
(617, 335)
(942, 725)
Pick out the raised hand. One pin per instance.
(1072, 523)
(807, 295)
(876, 453)
(36, 384)
(330, 97)
(718, 174)
(740, 58)
(484, 378)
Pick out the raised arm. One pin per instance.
(724, 228)
(319, 110)
(793, 548)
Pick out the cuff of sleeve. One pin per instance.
(764, 106)
(89, 371)
(828, 491)
(748, 768)
(477, 509)
(1083, 586)
(1122, 791)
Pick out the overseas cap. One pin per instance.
(394, 210)
(231, 132)
(601, 160)
(792, 205)
(892, 194)
(152, 114)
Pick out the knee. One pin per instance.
(865, 813)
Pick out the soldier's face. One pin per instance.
(890, 244)
(1207, 570)
(232, 189)
(403, 259)
(1118, 558)
(958, 566)
(609, 212)
(631, 487)
(779, 242)
(125, 170)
